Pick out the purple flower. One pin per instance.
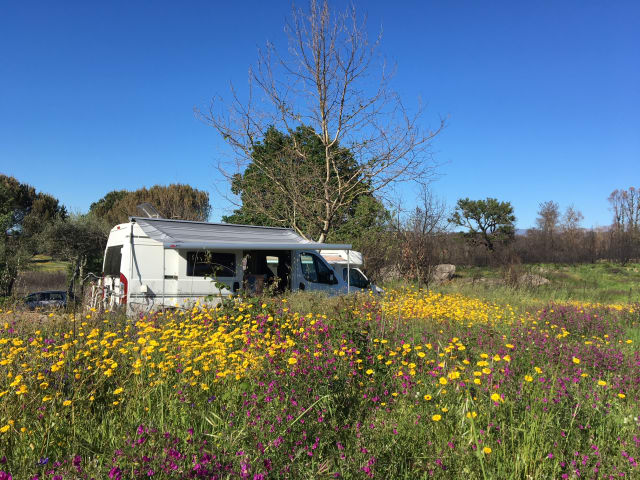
(115, 473)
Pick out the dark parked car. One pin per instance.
(46, 300)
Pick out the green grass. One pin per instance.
(44, 263)
(601, 282)
(346, 391)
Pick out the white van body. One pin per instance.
(349, 264)
(151, 263)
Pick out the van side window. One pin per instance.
(112, 260)
(211, 264)
(314, 269)
(356, 279)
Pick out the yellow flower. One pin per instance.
(472, 414)
(528, 378)
(436, 417)
(486, 450)
(4, 429)
(621, 395)
(495, 397)
(292, 360)
(443, 381)
(575, 360)
(369, 372)
(427, 397)
(118, 391)
(66, 403)
(602, 383)
(508, 345)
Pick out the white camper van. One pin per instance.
(153, 263)
(348, 264)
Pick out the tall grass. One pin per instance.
(601, 282)
(37, 280)
(411, 385)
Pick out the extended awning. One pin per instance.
(226, 236)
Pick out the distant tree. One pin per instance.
(572, 219)
(625, 229)
(420, 239)
(547, 223)
(572, 233)
(282, 187)
(104, 208)
(548, 218)
(625, 205)
(488, 222)
(79, 240)
(325, 81)
(23, 211)
(173, 201)
(23, 214)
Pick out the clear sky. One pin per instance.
(542, 98)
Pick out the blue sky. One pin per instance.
(542, 98)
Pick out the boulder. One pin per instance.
(532, 280)
(443, 272)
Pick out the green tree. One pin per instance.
(78, 239)
(330, 80)
(104, 208)
(283, 186)
(173, 201)
(488, 222)
(23, 214)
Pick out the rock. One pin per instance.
(390, 274)
(532, 280)
(443, 272)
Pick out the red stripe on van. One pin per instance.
(125, 286)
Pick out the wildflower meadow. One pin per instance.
(412, 384)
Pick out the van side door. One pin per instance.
(315, 274)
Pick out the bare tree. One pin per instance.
(625, 205)
(571, 232)
(548, 222)
(328, 80)
(625, 231)
(421, 238)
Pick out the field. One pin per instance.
(43, 274)
(414, 384)
(601, 282)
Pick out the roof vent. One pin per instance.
(148, 210)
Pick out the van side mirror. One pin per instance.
(332, 279)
